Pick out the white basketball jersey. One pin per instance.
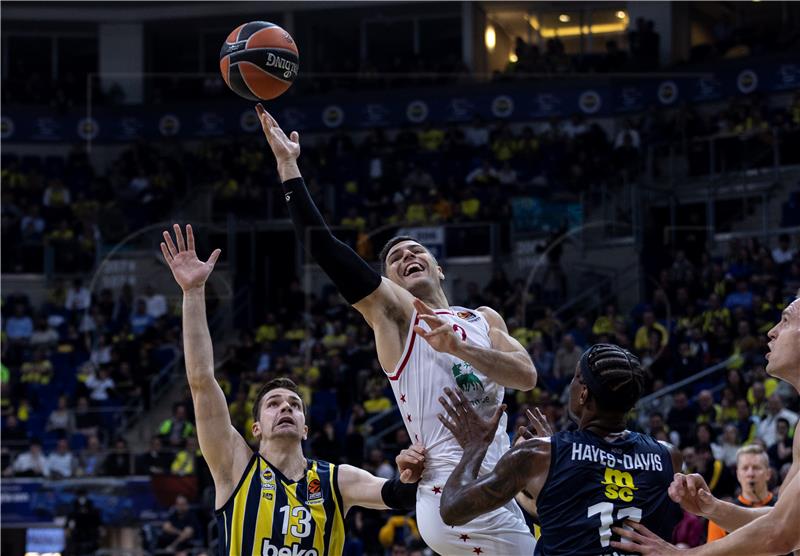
(420, 378)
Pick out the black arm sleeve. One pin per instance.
(353, 277)
(398, 495)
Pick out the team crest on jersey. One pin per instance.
(268, 480)
(314, 492)
(465, 378)
(468, 316)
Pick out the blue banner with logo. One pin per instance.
(514, 101)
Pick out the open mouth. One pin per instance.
(413, 268)
(284, 421)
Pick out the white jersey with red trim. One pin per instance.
(420, 378)
(418, 382)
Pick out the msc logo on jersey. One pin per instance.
(468, 316)
(314, 492)
(619, 485)
(465, 378)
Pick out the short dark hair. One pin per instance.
(274, 384)
(388, 247)
(620, 373)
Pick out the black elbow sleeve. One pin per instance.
(398, 495)
(351, 275)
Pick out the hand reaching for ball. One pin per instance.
(286, 149)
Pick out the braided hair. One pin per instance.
(617, 375)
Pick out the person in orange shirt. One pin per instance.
(752, 472)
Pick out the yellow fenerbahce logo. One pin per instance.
(619, 485)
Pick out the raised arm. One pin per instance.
(506, 362)
(523, 467)
(223, 448)
(370, 294)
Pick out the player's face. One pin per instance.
(783, 359)
(752, 472)
(577, 395)
(281, 416)
(411, 266)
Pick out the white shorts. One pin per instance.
(502, 532)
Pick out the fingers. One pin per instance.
(631, 535)
(294, 136)
(170, 245)
(432, 320)
(179, 237)
(422, 308)
(189, 237)
(629, 546)
(405, 476)
(416, 451)
(498, 414)
(449, 409)
(165, 252)
(447, 424)
(641, 529)
(525, 433)
(538, 422)
(435, 332)
(212, 260)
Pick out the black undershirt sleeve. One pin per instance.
(398, 495)
(351, 275)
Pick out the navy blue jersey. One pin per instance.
(594, 485)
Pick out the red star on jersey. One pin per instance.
(408, 417)
(402, 398)
(464, 537)
(477, 550)
(416, 437)
(437, 490)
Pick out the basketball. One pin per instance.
(259, 60)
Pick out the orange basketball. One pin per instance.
(259, 60)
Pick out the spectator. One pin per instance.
(729, 447)
(56, 196)
(62, 418)
(376, 401)
(752, 472)
(767, 426)
(682, 417)
(100, 385)
(642, 340)
(484, 175)
(19, 327)
(91, 459)
(180, 528)
(86, 421)
(177, 428)
(156, 303)
(84, 527)
(783, 253)
(153, 462)
(567, 357)
(61, 462)
(745, 423)
(185, 461)
(742, 297)
(780, 453)
(78, 297)
(117, 463)
(43, 335)
(31, 463)
(140, 320)
(707, 410)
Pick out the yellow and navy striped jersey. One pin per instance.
(269, 515)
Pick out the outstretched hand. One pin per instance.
(539, 427)
(468, 428)
(286, 149)
(441, 336)
(189, 271)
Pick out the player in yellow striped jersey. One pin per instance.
(273, 502)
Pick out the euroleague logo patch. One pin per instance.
(468, 316)
(314, 492)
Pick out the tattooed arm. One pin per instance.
(525, 466)
(465, 497)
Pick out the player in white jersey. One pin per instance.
(423, 344)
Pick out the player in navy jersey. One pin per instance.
(581, 483)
